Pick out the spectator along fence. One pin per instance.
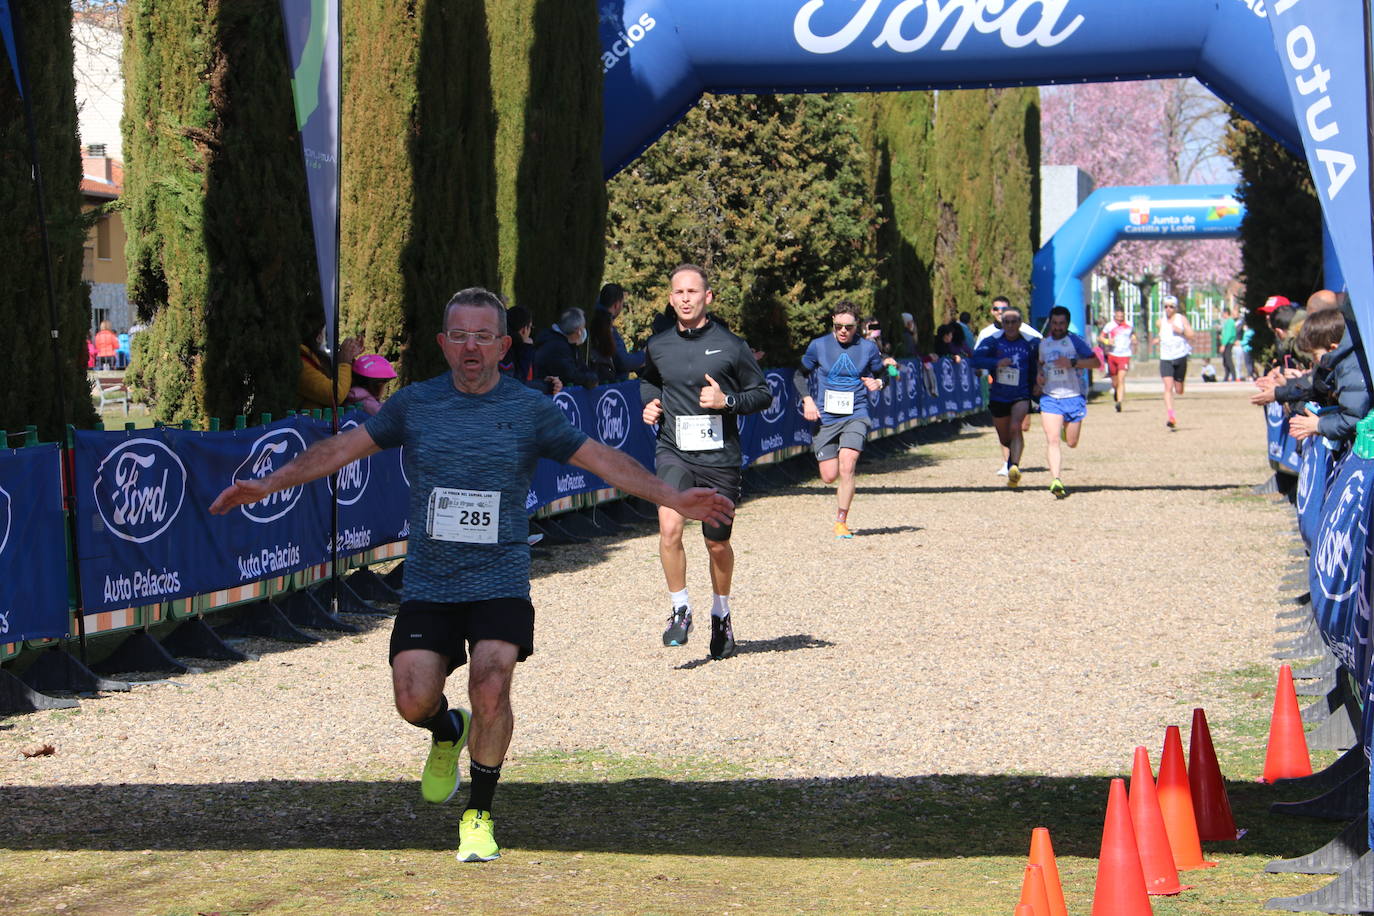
(132, 577)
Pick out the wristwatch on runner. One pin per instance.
(730, 402)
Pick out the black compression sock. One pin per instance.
(441, 724)
(483, 782)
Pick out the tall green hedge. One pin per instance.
(30, 392)
(221, 262)
(898, 128)
(769, 194)
(419, 181)
(1281, 235)
(546, 85)
(987, 177)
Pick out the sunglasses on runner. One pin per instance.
(844, 327)
(461, 337)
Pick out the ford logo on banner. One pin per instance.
(139, 488)
(1343, 532)
(4, 519)
(354, 476)
(612, 418)
(947, 374)
(268, 454)
(564, 402)
(777, 408)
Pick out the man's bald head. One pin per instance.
(1322, 300)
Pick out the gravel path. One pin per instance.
(966, 629)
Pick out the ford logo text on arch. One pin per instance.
(269, 453)
(139, 488)
(612, 419)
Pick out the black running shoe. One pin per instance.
(679, 625)
(722, 637)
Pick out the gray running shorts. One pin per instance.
(829, 439)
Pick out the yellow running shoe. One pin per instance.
(439, 780)
(477, 837)
(1058, 490)
(842, 530)
(1013, 476)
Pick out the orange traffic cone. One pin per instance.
(1176, 805)
(1156, 859)
(1286, 757)
(1042, 854)
(1211, 805)
(1024, 909)
(1120, 887)
(1033, 891)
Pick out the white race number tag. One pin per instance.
(700, 433)
(1008, 375)
(838, 403)
(467, 516)
(1059, 375)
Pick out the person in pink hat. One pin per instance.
(370, 375)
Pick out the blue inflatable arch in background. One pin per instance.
(659, 56)
(1111, 215)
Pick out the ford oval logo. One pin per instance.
(947, 374)
(270, 452)
(354, 476)
(564, 402)
(613, 418)
(1333, 555)
(778, 406)
(5, 518)
(139, 488)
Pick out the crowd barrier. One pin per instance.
(143, 549)
(1333, 498)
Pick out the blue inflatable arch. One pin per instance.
(1110, 215)
(659, 56)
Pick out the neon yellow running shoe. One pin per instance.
(1013, 476)
(477, 837)
(1057, 489)
(439, 780)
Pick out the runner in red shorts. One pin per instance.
(1118, 339)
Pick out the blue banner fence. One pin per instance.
(1334, 499)
(146, 550)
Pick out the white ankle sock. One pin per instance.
(720, 606)
(679, 599)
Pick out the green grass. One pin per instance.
(597, 832)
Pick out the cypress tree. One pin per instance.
(900, 137)
(1281, 235)
(221, 262)
(770, 195)
(546, 78)
(419, 183)
(30, 395)
(988, 173)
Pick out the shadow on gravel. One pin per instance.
(891, 529)
(753, 646)
(935, 817)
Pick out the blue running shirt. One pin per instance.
(841, 369)
(1022, 352)
(489, 443)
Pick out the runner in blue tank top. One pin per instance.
(1011, 360)
(848, 369)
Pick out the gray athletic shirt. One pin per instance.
(484, 442)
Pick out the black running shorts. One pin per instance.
(1177, 369)
(451, 629)
(1001, 409)
(681, 474)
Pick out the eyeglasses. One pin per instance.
(844, 327)
(461, 337)
(999, 308)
